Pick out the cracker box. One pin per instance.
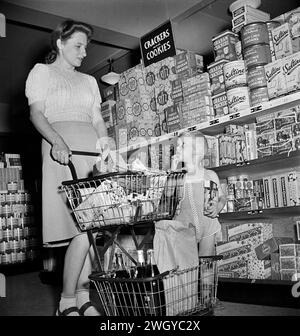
(275, 77)
(265, 139)
(216, 75)
(220, 104)
(291, 69)
(177, 93)
(284, 119)
(251, 148)
(283, 43)
(263, 231)
(294, 188)
(289, 250)
(284, 192)
(277, 191)
(224, 46)
(264, 250)
(267, 126)
(290, 275)
(196, 84)
(173, 118)
(288, 263)
(275, 266)
(188, 64)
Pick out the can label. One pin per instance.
(235, 74)
(7, 209)
(2, 198)
(6, 258)
(12, 187)
(254, 33)
(10, 198)
(256, 77)
(238, 99)
(258, 54)
(258, 96)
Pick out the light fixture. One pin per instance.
(2, 25)
(111, 77)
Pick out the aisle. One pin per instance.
(27, 296)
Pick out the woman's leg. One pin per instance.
(74, 261)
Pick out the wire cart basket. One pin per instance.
(110, 201)
(177, 292)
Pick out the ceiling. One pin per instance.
(119, 24)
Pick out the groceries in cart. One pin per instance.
(116, 199)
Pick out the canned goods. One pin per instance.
(10, 198)
(259, 95)
(256, 77)
(6, 258)
(4, 246)
(12, 222)
(2, 198)
(21, 186)
(234, 74)
(7, 234)
(2, 223)
(13, 257)
(20, 197)
(24, 243)
(258, 54)
(15, 245)
(7, 209)
(3, 187)
(220, 104)
(254, 33)
(238, 99)
(12, 187)
(21, 256)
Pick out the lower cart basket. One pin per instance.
(178, 292)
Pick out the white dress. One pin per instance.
(69, 98)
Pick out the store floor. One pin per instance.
(26, 295)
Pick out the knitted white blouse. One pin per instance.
(68, 95)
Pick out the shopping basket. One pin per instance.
(121, 199)
(175, 292)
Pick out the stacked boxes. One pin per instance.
(239, 251)
(289, 255)
(188, 64)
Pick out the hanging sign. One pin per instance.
(158, 44)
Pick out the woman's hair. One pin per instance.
(63, 32)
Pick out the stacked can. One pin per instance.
(257, 53)
(236, 86)
(18, 234)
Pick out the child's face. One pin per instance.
(190, 150)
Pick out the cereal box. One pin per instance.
(291, 69)
(276, 81)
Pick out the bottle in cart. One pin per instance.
(155, 288)
(124, 298)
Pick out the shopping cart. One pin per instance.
(108, 202)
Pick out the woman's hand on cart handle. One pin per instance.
(60, 151)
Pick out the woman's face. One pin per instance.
(189, 149)
(73, 50)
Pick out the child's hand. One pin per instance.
(212, 210)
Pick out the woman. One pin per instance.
(65, 109)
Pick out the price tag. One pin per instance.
(234, 116)
(214, 122)
(256, 109)
(190, 129)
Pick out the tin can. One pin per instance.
(258, 54)
(21, 187)
(2, 222)
(7, 234)
(4, 246)
(20, 197)
(12, 187)
(7, 209)
(13, 257)
(21, 256)
(256, 77)
(18, 233)
(254, 33)
(12, 222)
(235, 74)
(259, 95)
(15, 244)
(2, 199)
(6, 258)
(10, 198)
(238, 99)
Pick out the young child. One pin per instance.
(190, 150)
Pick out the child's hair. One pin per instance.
(195, 135)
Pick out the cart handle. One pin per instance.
(71, 165)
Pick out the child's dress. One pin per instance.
(192, 206)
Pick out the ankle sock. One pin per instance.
(82, 297)
(67, 302)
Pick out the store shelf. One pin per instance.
(272, 162)
(264, 213)
(257, 281)
(216, 125)
(18, 268)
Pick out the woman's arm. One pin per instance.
(60, 151)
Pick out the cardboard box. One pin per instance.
(173, 116)
(264, 250)
(288, 263)
(289, 250)
(188, 64)
(294, 188)
(224, 46)
(275, 266)
(275, 77)
(216, 75)
(291, 69)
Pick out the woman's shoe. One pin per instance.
(92, 312)
(68, 311)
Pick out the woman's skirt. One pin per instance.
(58, 222)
